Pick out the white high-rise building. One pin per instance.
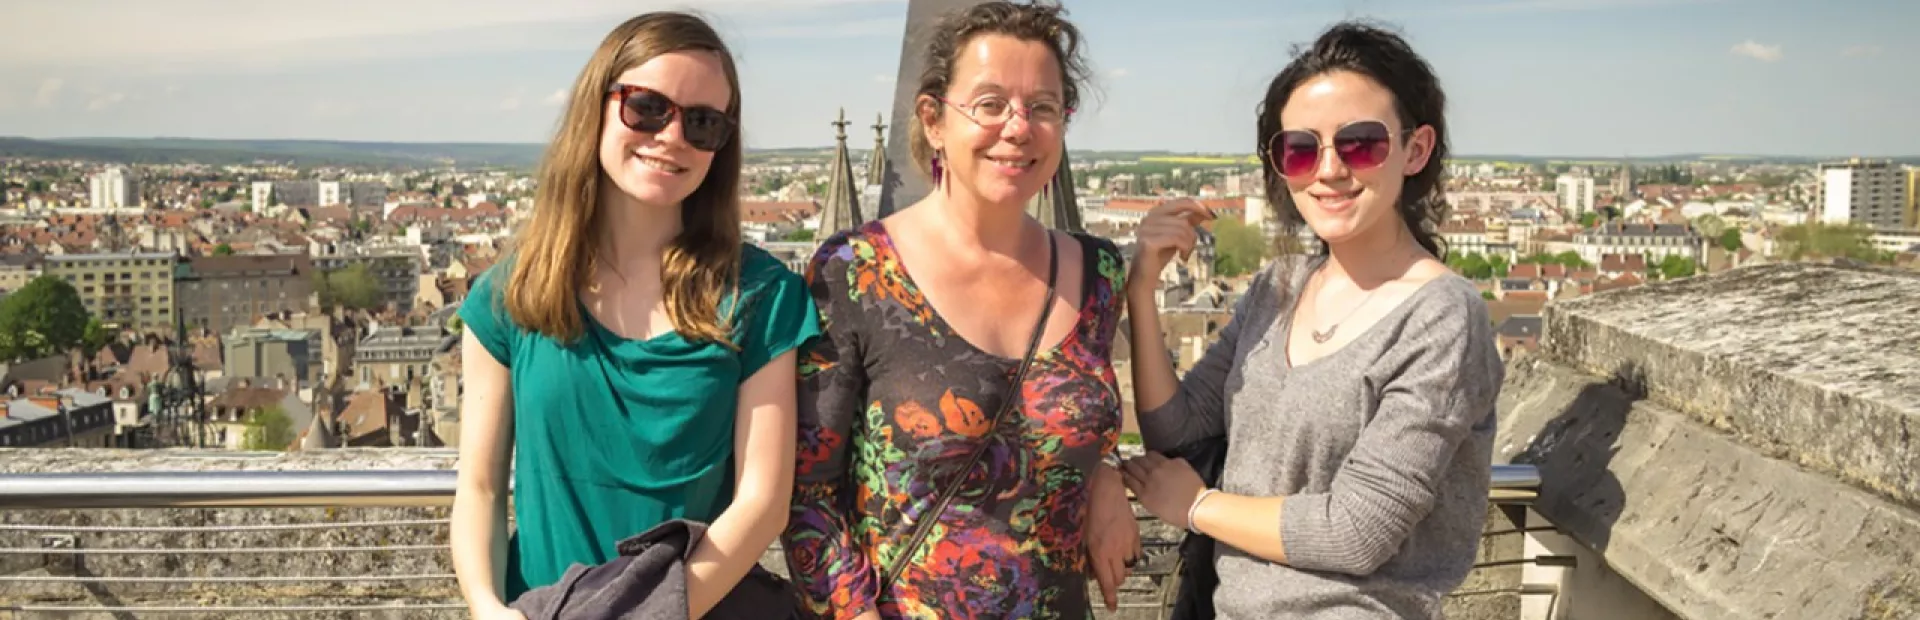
(1576, 194)
(262, 195)
(1861, 191)
(329, 193)
(114, 188)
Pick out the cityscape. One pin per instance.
(297, 299)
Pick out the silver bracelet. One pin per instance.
(1191, 510)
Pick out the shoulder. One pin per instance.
(1107, 261)
(488, 290)
(759, 268)
(1451, 301)
(846, 249)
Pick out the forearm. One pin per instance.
(1153, 380)
(1250, 524)
(477, 534)
(732, 545)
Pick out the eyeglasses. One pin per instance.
(993, 111)
(646, 110)
(1361, 145)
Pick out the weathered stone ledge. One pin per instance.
(1695, 517)
(1815, 364)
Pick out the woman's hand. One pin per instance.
(1113, 534)
(1167, 229)
(1166, 487)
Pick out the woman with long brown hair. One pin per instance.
(632, 355)
(954, 420)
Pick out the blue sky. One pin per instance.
(1528, 77)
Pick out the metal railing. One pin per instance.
(1509, 484)
(69, 546)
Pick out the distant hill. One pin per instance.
(306, 152)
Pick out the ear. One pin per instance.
(1419, 149)
(928, 111)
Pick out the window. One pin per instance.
(87, 289)
(88, 277)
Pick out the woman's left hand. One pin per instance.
(1166, 487)
(1113, 534)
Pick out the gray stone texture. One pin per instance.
(1735, 445)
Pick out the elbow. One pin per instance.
(1369, 544)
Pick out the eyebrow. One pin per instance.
(983, 88)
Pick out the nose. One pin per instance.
(1017, 129)
(1329, 166)
(675, 131)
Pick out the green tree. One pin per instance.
(1499, 265)
(1815, 240)
(1674, 267)
(93, 336)
(1487, 295)
(1471, 266)
(1589, 219)
(37, 186)
(1237, 247)
(353, 287)
(270, 429)
(798, 234)
(223, 250)
(42, 318)
(456, 325)
(1730, 239)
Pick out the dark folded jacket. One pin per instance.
(1198, 578)
(648, 581)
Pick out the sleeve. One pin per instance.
(1198, 408)
(484, 313)
(779, 317)
(831, 571)
(1436, 385)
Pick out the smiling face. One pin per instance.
(999, 163)
(661, 168)
(1337, 201)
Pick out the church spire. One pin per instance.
(1056, 207)
(877, 163)
(842, 210)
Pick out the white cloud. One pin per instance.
(102, 102)
(557, 98)
(1118, 73)
(1757, 51)
(1860, 51)
(48, 92)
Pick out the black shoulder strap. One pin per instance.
(1012, 402)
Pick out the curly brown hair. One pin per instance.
(1037, 22)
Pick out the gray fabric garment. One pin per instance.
(648, 581)
(1382, 450)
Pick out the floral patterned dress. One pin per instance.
(892, 401)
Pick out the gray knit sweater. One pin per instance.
(1382, 450)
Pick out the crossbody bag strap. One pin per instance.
(1013, 401)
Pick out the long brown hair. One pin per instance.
(554, 254)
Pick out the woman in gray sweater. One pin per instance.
(1355, 387)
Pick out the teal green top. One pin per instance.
(614, 436)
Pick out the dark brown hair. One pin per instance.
(554, 255)
(1038, 22)
(1388, 60)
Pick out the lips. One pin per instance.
(1335, 201)
(1012, 165)
(659, 164)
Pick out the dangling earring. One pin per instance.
(939, 172)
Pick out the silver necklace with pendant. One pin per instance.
(1320, 337)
